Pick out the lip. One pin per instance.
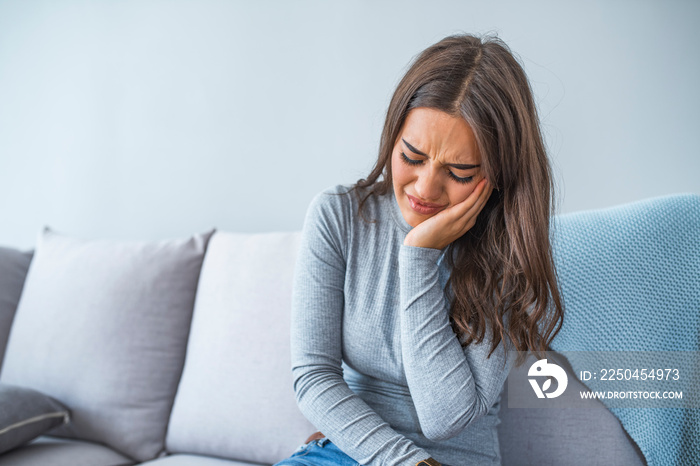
(424, 208)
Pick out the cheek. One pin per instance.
(460, 192)
(400, 172)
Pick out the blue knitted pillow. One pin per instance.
(630, 280)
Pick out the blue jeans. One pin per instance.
(321, 452)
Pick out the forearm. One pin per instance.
(328, 403)
(447, 391)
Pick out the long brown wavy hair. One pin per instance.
(503, 275)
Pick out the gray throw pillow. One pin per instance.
(102, 325)
(13, 270)
(25, 414)
(235, 399)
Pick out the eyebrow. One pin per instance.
(459, 166)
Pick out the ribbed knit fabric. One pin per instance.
(376, 365)
(630, 278)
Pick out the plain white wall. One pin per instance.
(154, 119)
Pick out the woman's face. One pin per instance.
(435, 164)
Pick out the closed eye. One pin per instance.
(460, 179)
(409, 160)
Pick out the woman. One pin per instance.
(412, 292)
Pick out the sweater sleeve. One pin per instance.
(451, 386)
(322, 394)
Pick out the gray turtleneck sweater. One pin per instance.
(377, 367)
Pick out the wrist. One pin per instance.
(424, 243)
(425, 239)
(409, 241)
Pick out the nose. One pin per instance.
(428, 185)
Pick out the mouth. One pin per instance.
(423, 208)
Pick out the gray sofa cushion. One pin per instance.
(25, 414)
(236, 398)
(196, 460)
(102, 327)
(48, 451)
(13, 270)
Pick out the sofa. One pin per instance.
(177, 353)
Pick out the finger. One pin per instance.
(461, 213)
(481, 193)
(486, 194)
(472, 199)
(468, 219)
